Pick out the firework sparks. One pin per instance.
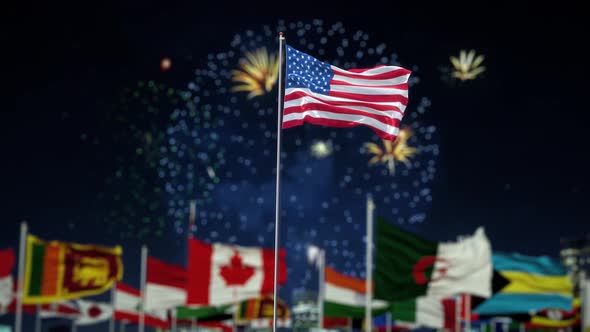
(467, 66)
(208, 144)
(321, 149)
(257, 74)
(165, 64)
(242, 200)
(392, 151)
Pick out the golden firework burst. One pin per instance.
(321, 149)
(399, 150)
(467, 66)
(257, 73)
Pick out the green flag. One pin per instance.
(408, 266)
(396, 257)
(205, 313)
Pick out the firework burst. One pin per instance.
(213, 144)
(321, 149)
(467, 66)
(317, 187)
(257, 74)
(399, 150)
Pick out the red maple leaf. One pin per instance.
(236, 274)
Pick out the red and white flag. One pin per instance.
(64, 309)
(127, 302)
(322, 94)
(166, 285)
(223, 274)
(7, 261)
(93, 312)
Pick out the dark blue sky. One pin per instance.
(513, 144)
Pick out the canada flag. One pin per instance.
(223, 274)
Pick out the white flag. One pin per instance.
(93, 312)
(6, 294)
(314, 255)
(64, 309)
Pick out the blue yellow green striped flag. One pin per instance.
(534, 283)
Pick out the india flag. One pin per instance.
(345, 296)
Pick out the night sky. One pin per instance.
(85, 91)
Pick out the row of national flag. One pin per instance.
(59, 277)
(415, 281)
(127, 301)
(57, 271)
(418, 282)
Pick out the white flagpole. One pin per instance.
(278, 182)
(74, 327)
(113, 295)
(235, 315)
(369, 264)
(321, 288)
(458, 313)
(388, 322)
(143, 273)
(584, 319)
(21, 275)
(38, 319)
(192, 216)
(194, 324)
(173, 326)
(468, 312)
(122, 326)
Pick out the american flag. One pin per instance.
(322, 94)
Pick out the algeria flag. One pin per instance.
(224, 274)
(344, 296)
(408, 266)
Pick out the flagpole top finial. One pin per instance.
(281, 35)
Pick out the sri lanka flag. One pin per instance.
(56, 271)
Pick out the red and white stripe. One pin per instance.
(375, 97)
(64, 309)
(166, 285)
(127, 301)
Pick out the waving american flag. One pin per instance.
(322, 94)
